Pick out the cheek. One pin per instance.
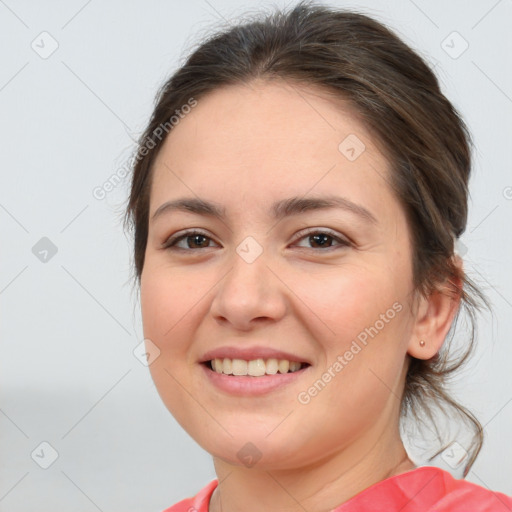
(168, 305)
(174, 304)
(362, 333)
(166, 299)
(352, 302)
(368, 313)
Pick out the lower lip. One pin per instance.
(246, 385)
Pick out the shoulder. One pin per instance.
(461, 495)
(427, 489)
(197, 503)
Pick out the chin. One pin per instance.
(253, 452)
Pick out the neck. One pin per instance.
(321, 486)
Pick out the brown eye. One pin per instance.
(188, 241)
(198, 240)
(323, 239)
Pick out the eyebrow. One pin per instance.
(280, 209)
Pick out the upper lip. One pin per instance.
(250, 353)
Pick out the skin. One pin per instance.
(245, 147)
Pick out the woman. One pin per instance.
(295, 203)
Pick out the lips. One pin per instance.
(251, 385)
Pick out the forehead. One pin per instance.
(277, 117)
(265, 138)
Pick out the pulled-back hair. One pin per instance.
(398, 97)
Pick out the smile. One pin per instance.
(254, 377)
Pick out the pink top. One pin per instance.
(424, 489)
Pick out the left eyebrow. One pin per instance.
(280, 209)
(298, 205)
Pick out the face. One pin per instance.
(325, 285)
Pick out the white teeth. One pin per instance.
(254, 367)
(272, 366)
(284, 366)
(225, 366)
(238, 367)
(217, 365)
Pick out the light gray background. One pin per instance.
(68, 375)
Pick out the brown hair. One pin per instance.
(398, 97)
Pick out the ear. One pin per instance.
(434, 317)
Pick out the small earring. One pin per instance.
(422, 343)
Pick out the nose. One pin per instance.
(250, 293)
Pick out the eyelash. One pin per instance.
(171, 242)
